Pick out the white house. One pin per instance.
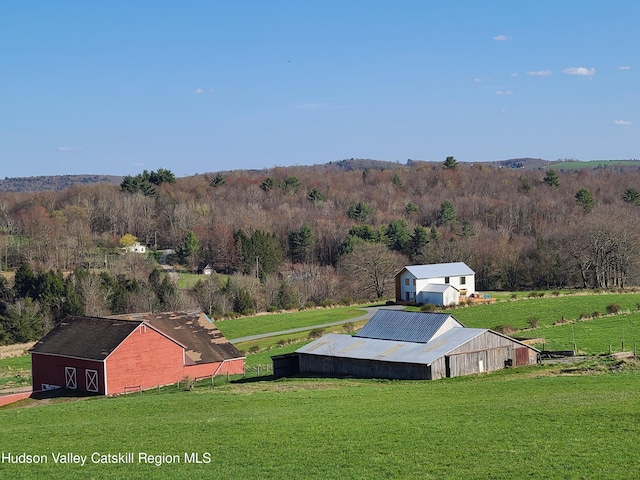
(136, 248)
(438, 283)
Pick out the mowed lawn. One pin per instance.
(525, 423)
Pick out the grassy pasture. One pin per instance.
(539, 422)
(15, 372)
(529, 423)
(547, 309)
(277, 322)
(594, 336)
(591, 164)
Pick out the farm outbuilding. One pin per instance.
(408, 346)
(438, 283)
(114, 355)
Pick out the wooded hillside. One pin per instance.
(291, 236)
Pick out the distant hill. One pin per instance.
(54, 182)
(62, 182)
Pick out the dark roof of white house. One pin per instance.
(417, 327)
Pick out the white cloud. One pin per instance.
(504, 92)
(502, 38)
(540, 73)
(583, 71)
(68, 149)
(624, 67)
(198, 91)
(514, 74)
(621, 122)
(477, 80)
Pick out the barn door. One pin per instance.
(91, 380)
(522, 356)
(70, 378)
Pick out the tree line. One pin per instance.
(295, 236)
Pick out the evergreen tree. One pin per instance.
(218, 181)
(447, 213)
(631, 195)
(315, 196)
(23, 322)
(365, 232)
(243, 303)
(585, 199)
(552, 178)
(467, 229)
(260, 254)
(189, 251)
(268, 185)
(290, 185)
(397, 235)
(450, 163)
(359, 212)
(419, 239)
(286, 299)
(24, 283)
(301, 245)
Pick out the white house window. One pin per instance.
(446, 279)
(463, 280)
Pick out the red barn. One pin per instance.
(113, 355)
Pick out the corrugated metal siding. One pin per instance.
(403, 326)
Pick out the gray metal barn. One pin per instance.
(410, 346)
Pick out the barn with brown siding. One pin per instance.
(408, 345)
(114, 355)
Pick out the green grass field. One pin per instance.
(565, 422)
(277, 322)
(15, 372)
(547, 309)
(591, 164)
(526, 423)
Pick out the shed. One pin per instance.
(409, 346)
(131, 352)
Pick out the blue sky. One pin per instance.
(121, 86)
